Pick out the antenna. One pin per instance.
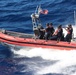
(74, 18)
(36, 10)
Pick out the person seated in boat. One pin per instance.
(60, 34)
(51, 29)
(41, 32)
(57, 35)
(69, 30)
(47, 32)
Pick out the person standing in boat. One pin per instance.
(58, 33)
(69, 33)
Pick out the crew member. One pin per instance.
(41, 32)
(69, 33)
(58, 33)
(51, 29)
(47, 32)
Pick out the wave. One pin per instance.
(63, 61)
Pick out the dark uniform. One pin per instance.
(69, 34)
(58, 34)
(47, 32)
(41, 33)
(51, 28)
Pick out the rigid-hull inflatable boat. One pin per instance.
(28, 40)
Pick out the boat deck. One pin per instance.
(17, 34)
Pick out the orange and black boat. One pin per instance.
(27, 40)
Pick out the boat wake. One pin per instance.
(64, 61)
(52, 62)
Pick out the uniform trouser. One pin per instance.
(41, 36)
(47, 35)
(68, 38)
(54, 37)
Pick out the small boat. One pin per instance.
(29, 40)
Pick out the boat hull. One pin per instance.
(13, 38)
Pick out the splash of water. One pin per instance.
(65, 59)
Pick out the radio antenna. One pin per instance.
(74, 18)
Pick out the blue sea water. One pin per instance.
(15, 16)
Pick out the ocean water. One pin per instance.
(15, 16)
